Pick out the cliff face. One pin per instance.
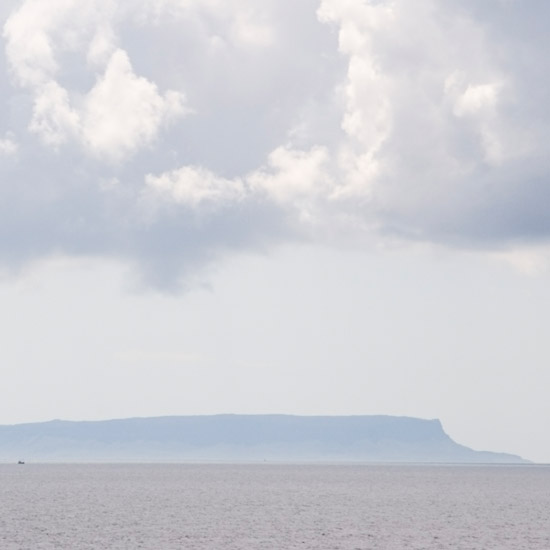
(240, 438)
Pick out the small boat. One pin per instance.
(21, 462)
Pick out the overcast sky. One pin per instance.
(309, 207)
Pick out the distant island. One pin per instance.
(241, 438)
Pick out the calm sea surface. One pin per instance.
(279, 507)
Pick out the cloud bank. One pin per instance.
(170, 133)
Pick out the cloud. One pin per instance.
(8, 145)
(292, 179)
(123, 112)
(292, 175)
(195, 186)
(439, 139)
(53, 118)
(36, 34)
(233, 126)
(119, 115)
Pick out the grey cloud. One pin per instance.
(244, 98)
(59, 200)
(459, 168)
(51, 209)
(433, 123)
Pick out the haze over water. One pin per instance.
(274, 506)
(321, 207)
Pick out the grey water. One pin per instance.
(273, 506)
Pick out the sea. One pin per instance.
(274, 506)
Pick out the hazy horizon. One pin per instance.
(261, 415)
(229, 438)
(324, 207)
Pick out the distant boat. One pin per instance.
(21, 462)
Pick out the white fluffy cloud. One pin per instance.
(434, 109)
(124, 112)
(293, 175)
(403, 64)
(291, 178)
(195, 186)
(53, 118)
(121, 113)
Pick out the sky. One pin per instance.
(314, 207)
